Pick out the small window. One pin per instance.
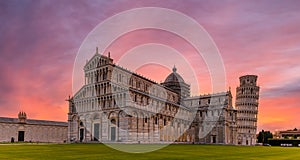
(120, 78)
(131, 82)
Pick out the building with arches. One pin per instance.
(117, 105)
(247, 95)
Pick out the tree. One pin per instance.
(263, 136)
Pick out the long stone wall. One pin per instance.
(32, 132)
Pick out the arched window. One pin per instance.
(113, 121)
(130, 82)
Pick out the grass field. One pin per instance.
(180, 151)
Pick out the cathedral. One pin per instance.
(116, 105)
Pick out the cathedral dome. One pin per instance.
(176, 83)
(174, 77)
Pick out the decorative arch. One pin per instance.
(112, 114)
(96, 116)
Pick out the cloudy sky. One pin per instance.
(39, 41)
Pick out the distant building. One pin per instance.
(287, 134)
(286, 138)
(117, 105)
(22, 129)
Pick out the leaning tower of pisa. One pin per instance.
(247, 95)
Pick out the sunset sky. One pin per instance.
(39, 41)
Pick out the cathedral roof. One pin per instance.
(174, 77)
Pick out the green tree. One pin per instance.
(263, 136)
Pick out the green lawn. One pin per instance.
(100, 151)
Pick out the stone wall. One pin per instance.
(33, 132)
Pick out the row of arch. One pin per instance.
(96, 76)
(137, 126)
(97, 62)
(248, 90)
(100, 103)
(241, 103)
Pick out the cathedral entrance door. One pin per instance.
(113, 133)
(96, 132)
(21, 136)
(214, 139)
(81, 132)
